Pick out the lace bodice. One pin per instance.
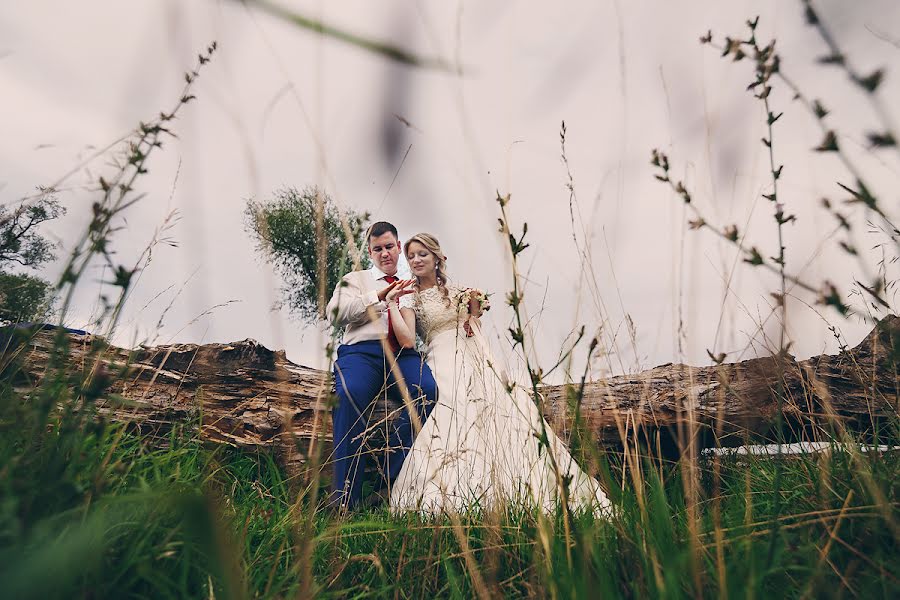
(433, 315)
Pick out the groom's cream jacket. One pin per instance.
(354, 305)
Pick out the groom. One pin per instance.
(370, 362)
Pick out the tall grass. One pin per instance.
(94, 509)
(130, 519)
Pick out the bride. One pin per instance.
(479, 447)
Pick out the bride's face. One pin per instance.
(421, 260)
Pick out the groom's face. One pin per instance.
(384, 250)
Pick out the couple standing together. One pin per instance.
(463, 439)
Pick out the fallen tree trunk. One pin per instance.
(248, 396)
(676, 407)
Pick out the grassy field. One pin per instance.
(90, 510)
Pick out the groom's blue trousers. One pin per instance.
(362, 374)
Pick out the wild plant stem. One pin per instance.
(519, 339)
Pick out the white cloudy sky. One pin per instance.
(282, 106)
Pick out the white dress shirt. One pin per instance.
(355, 307)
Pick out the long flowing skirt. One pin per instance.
(480, 445)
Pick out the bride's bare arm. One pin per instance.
(409, 326)
(403, 320)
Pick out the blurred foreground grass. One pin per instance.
(90, 510)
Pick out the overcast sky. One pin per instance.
(281, 106)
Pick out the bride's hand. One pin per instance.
(470, 324)
(382, 293)
(400, 288)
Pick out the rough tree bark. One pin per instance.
(248, 396)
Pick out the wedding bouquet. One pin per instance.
(470, 296)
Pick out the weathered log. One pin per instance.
(248, 396)
(730, 404)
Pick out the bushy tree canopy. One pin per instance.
(285, 231)
(20, 243)
(25, 297)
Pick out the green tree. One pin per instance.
(302, 235)
(25, 297)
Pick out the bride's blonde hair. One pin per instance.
(432, 244)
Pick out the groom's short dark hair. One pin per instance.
(381, 228)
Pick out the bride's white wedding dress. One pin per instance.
(479, 447)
